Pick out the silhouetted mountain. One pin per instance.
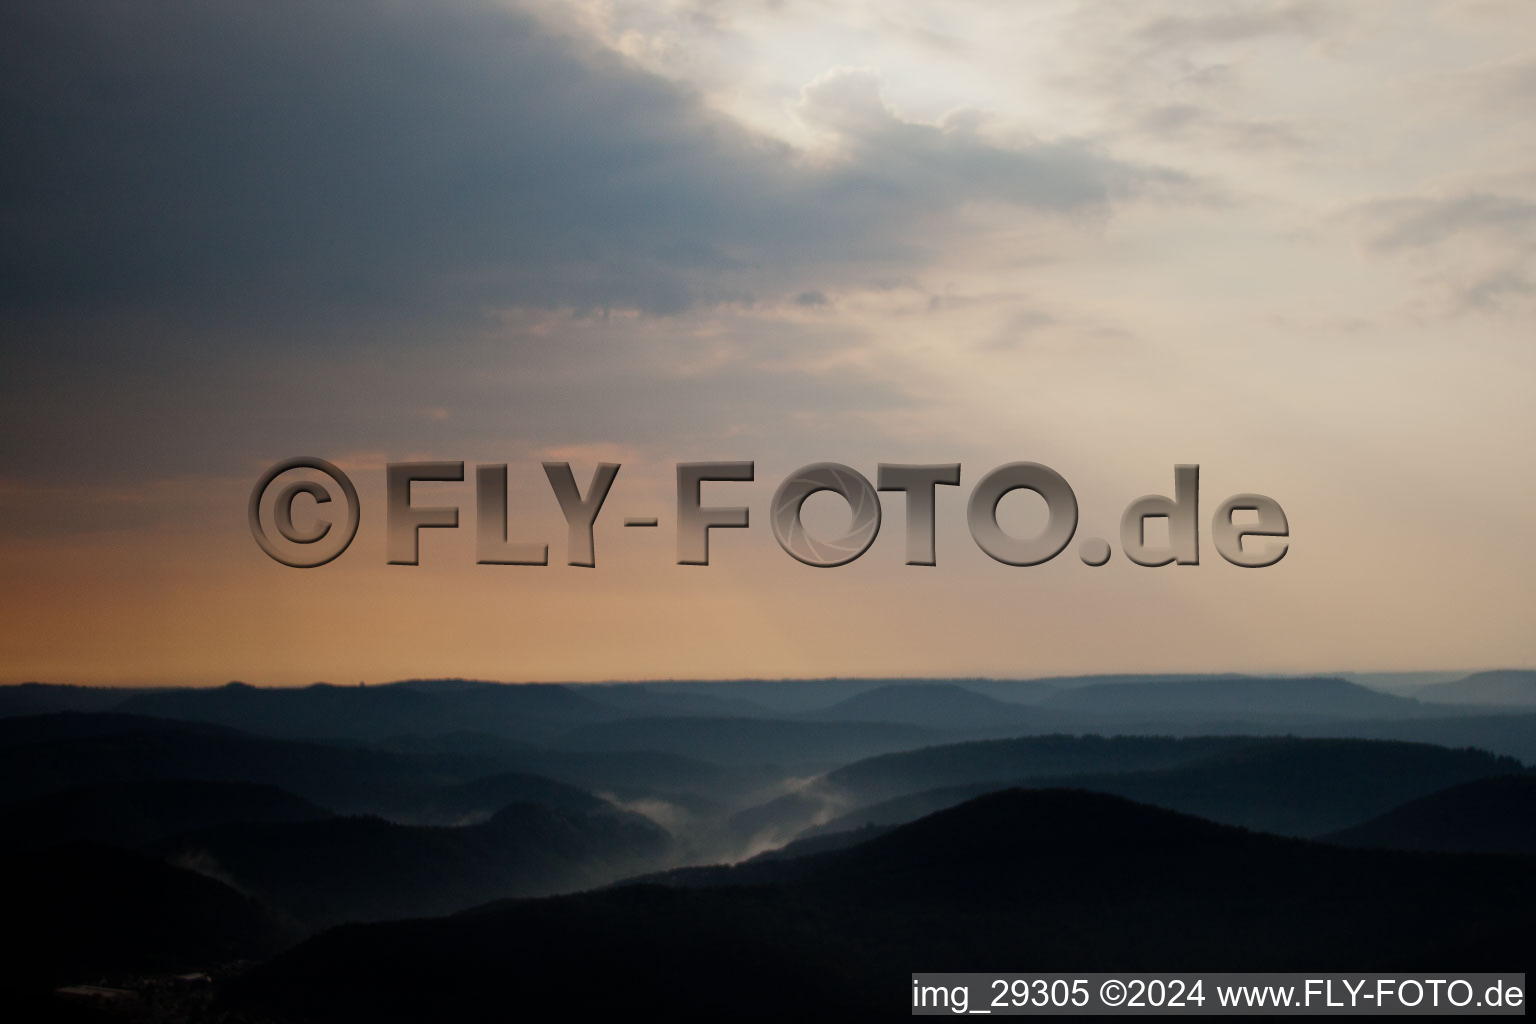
(89, 752)
(1014, 691)
(1106, 678)
(544, 714)
(132, 814)
(649, 700)
(1237, 695)
(899, 810)
(1015, 760)
(71, 725)
(795, 697)
(783, 697)
(1302, 787)
(51, 698)
(1285, 786)
(81, 911)
(477, 800)
(774, 822)
(1509, 688)
(1405, 684)
(1496, 815)
(935, 705)
(621, 771)
(322, 711)
(1510, 734)
(545, 806)
(443, 685)
(750, 740)
(461, 742)
(360, 869)
(1058, 880)
(808, 845)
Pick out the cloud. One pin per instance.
(196, 403)
(1231, 22)
(1020, 327)
(1478, 248)
(461, 156)
(1195, 123)
(1416, 223)
(919, 168)
(1165, 41)
(1177, 73)
(1502, 87)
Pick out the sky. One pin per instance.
(1291, 242)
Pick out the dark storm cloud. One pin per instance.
(289, 155)
(174, 404)
(232, 232)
